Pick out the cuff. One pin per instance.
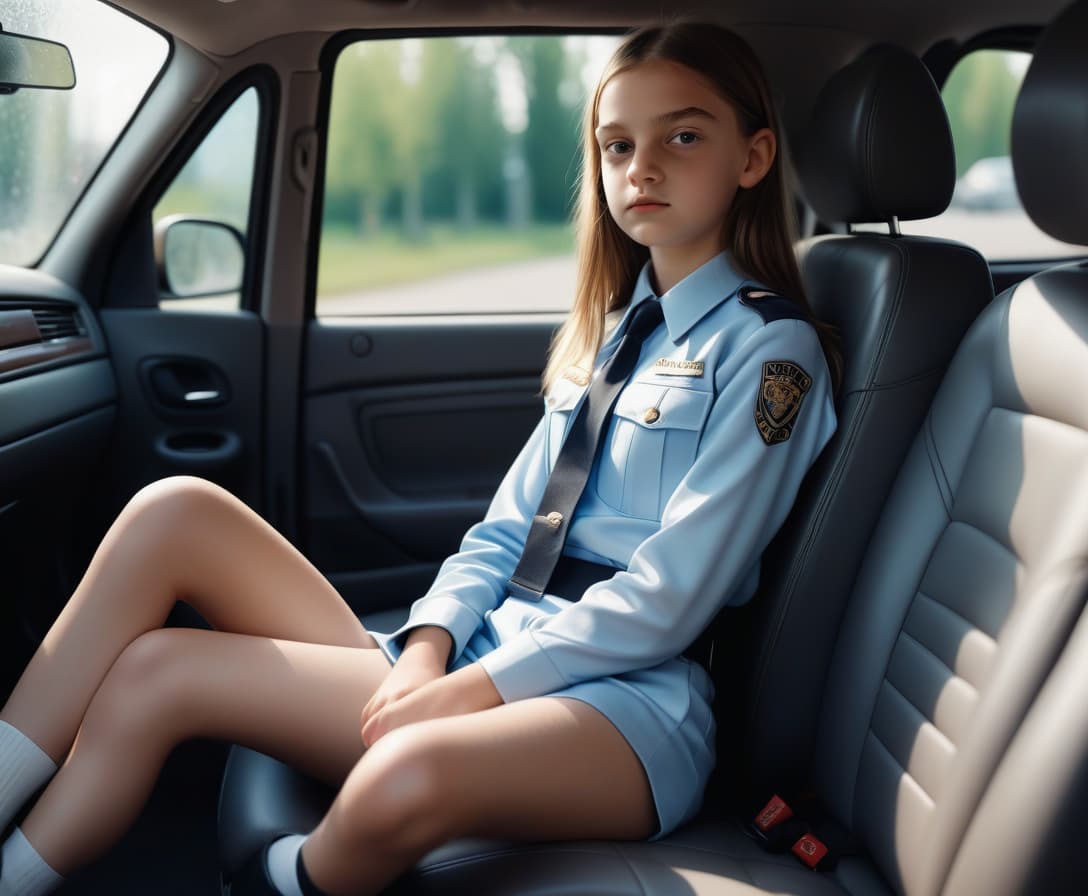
(521, 669)
(445, 612)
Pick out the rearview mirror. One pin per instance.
(34, 62)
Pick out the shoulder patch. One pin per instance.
(769, 305)
(781, 390)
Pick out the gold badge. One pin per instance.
(577, 375)
(669, 367)
(781, 392)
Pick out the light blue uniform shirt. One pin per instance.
(683, 498)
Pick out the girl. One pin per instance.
(529, 694)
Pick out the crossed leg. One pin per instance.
(288, 673)
(542, 769)
(178, 539)
(538, 769)
(298, 702)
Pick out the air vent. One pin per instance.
(37, 331)
(58, 323)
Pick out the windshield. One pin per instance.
(52, 141)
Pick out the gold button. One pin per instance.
(652, 415)
(555, 519)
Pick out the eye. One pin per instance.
(617, 147)
(685, 138)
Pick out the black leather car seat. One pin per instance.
(877, 148)
(958, 653)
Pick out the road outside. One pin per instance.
(547, 284)
(541, 284)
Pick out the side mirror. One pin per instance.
(33, 62)
(198, 257)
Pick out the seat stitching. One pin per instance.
(974, 625)
(943, 664)
(898, 693)
(923, 715)
(926, 374)
(894, 313)
(631, 867)
(891, 756)
(989, 536)
(492, 853)
(940, 476)
(884, 676)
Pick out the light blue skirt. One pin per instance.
(663, 712)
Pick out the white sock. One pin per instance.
(24, 767)
(22, 871)
(282, 856)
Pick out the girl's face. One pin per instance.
(672, 158)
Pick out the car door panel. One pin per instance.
(160, 433)
(406, 441)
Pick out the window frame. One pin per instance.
(266, 81)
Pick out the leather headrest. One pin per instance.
(1050, 129)
(878, 143)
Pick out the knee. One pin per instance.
(396, 794)
(167, 500)
(164, 511)
(141, 694)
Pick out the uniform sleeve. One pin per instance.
(719, 519)
(473, 581)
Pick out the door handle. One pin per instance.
(202, 396)
(185, 383)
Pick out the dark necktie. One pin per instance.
(548, 531)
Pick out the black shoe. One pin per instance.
(252, 878)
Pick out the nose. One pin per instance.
(643, 167)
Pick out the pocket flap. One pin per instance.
(655, 407)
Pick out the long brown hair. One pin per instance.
(759, 229)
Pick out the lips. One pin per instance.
(647, 202)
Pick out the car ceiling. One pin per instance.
(801, 43)
(227, 27)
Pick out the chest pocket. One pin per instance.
(562, 399)
(651, 444)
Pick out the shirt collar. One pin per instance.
(690, 300)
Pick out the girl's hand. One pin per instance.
(464, 691)
(422, 661)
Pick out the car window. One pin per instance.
(215, 185)
(450, 172)
(53, 141)
(985, 211)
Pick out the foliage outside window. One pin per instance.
(450, 173)
(985, 212)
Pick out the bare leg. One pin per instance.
(542, 769)
(178, 539)
(298, 702)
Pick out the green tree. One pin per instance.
(360, 150)
(979, 96)
(464, 147)
(551, 137)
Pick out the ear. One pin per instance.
(762, 147)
